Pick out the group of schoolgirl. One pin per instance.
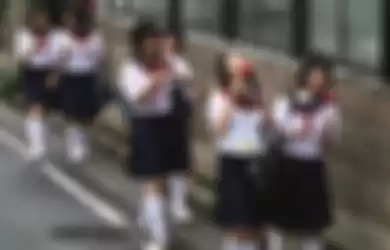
(60, 68)
(300, 124)
(156, 81)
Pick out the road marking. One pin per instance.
(102, 209)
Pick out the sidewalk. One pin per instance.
(103, 175)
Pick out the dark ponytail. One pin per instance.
(314, 61)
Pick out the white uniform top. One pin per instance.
(81, 55)
(25, 44)
(133, 81)
(326, 118)
(244, 137)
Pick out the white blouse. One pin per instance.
(26, 49)
(133, 81)
(324, 122)
(81, 55)
(245, 136)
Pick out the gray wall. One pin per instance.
(266, 22)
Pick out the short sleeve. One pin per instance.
(132, 81)
(215, 109)
(22, 44)
(279, 111)
(284, 122)
(99, 44)
(334, 120)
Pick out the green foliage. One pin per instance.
(10, 84)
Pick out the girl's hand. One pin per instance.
(160, 78)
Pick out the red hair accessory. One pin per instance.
(330, 97)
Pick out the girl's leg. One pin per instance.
(77, 141)
(312, 242)
(35, 130)
(153, 214)
(275, 240)
(241, 239)
(178, 191)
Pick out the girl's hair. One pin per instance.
(311, 62)
(179, 43)
(38, 11)
(223, 75)
(82, 17)
(222, 71)
(141, 32)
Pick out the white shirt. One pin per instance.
(290, 123)
(133, 81)
(244, 137)
(81, 55)
(25, 43)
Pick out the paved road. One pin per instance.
(35, 214)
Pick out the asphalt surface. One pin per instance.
(35, 211)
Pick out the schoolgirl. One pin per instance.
(82, 53)
(180, 126)
(308, 118)
(237, 121)
(37, 54)
(146, 83)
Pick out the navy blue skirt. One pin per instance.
(301, 198)
(180, 130)
(78, 99)
(34, 87)
(149, 145)
(237, 201)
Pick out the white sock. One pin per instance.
(275, 240)
(35, 131)
(230, 244)
(178, 189)
(154, 217)
(248, 245)
(313, 243)
(76, 139)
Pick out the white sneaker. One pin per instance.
(36, 153)
(182, 216)
(153, 246)
(77, 155)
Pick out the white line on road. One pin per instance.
(88, 199)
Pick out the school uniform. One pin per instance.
(82, 58)
(301, 199)
(35, 67)
(238, 152)
(150, 139)
(181, 114)
(38, 57)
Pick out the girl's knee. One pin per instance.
(153, 186)
(35, 111)
(243, 233)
